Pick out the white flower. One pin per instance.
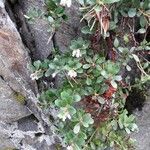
(54, 74)
(65, 3)
(76, 53)
(72, 73)
(64, 114)
(34, 76)
(69, 147)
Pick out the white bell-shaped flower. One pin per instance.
(66, 3)
(76, 53)
(72, 73)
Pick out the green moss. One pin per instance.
(9, 148)
(58, 147)
(19, 97)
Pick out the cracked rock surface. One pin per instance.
(23, 124)
(143, 122)
(18, 94)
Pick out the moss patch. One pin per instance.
(19, 98)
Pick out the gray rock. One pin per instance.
(5, 141)
(13, 57)
(13, 71)
(10, 109)
(29, 123)
(35, 35)
(12, 137)
(143, 122)
(70, 29)
(17, 91)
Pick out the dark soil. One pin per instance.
(135, 100)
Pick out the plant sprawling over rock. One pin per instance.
(91, 97)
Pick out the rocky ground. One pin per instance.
(143, 122)
(23, 125)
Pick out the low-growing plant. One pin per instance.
(91, 97)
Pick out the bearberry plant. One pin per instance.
(91, 97)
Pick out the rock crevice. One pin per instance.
(18, 93)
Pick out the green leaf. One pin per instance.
(127, 130)
(86, 66)
(60, 103)
(52, 66)
(123, 13)
(76, 128)
(141, 31)
(86, 30)
(40, 74)
(116, 42)
(78, 65)
(113, 68)
(110, 1)
(79, 70)
(126, 38)
(118, 78)
(101, 100)
(83, 135)
(136, 3)
(98, 8)
(114, 84)
(104, 74)
(121, 49)
(77, 97)
(76, 147)
(37, 64)
(120, 124)
(88, 59)
(81, 2)
(112, 25)
(134, 127)
(143, 21)
(48, 72)
(99, 79)
(87, 119)
(128, 68)
(136, 58)
(50, 19)
(85, 124)
(146, 4)
(114, 124)
(146, 64)
(93, 147)
(66, 94)
(71, 110)
(96, 56)
(31, 67)
(51, 5)
(91, 2)
(132, 12)
(104, 87)
(88, 81)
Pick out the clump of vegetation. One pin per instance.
(93, 92)
(19, 97)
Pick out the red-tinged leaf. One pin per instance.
(108, 94)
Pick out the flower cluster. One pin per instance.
(76, 53)
(90, 99)
(65, 114)
(66, 3)
(72, 74)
